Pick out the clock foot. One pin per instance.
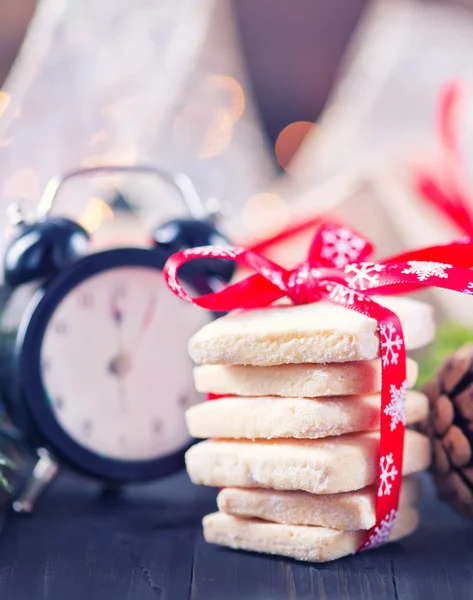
(43, 473)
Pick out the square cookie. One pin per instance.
(325, 466)
(310, 333)
(348, 511)
(272, 417)
(308, 380)
(313, 544)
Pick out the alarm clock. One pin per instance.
(97, 374)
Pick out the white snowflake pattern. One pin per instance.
(301, 274)
(341, 294)
(341, 246)
(469, 289)
(213, 251)
(391, 343)
(275, 277)
(387, 474)
(201, 251)
(382, 532)
(171, 280)
(396, 409)
(365, 275)
(426, 270)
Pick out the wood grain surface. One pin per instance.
(147, 544)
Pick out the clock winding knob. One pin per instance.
(40, 249)
(180, 234)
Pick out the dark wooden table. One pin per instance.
(148, 545)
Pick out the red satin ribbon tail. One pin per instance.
(458, 253)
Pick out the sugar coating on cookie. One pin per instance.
(308, 380)
(324, 466)
(348, 511)
(311, 333)
(271, 417)
(314, 544)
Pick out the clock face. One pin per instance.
(115, 367)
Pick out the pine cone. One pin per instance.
(450, 428)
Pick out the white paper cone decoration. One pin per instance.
(212, 131)
(383, 103)
(120, 82)
(380, 121)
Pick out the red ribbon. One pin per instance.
(335, 271)
(444, 188)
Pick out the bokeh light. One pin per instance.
(209, 134)
(265, 215)
(234, 94)
(98, 137)
(6, 142)
(4, 101)
(96, 211)
(289, 141)
(218, 135)
(125, 156)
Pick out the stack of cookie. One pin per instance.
(295, 431)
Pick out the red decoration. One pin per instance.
(333, 272)
(445, 189)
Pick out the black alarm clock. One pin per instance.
(96, 377)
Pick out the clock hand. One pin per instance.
(123, 395)
(146, 321)
(121, 364)
(119, 367)
(116, 311)
(149, 313)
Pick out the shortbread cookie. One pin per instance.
(308, 380)
(349, 511)
(271, 417)
(326, 466)
(314, 544)
(310, 333)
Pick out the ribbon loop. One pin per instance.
(337, 246)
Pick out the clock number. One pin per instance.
(59, 402)
(86, 300)
(183, 401)
(116, 307)
(60, 327)
(119, 291)
(123, 442)
(157, 426)
(87, 428)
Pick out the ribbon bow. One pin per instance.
(336, 270)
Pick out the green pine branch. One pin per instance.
(4, 483)
(449, 338)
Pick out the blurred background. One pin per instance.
(291, 55)
(282, 115)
